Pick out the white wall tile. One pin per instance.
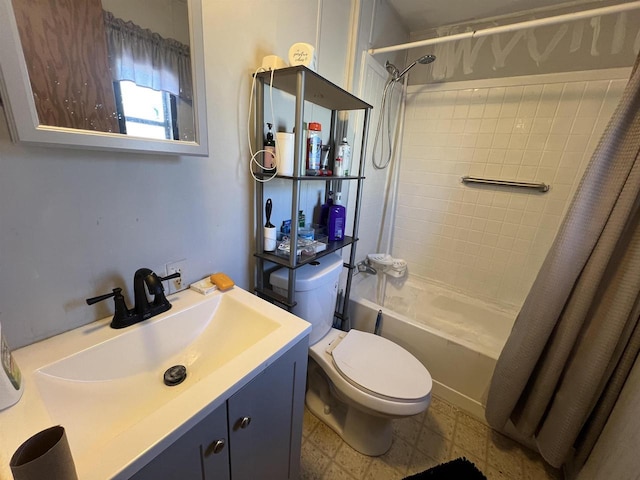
(561, 125)
(523, 125)
(481, 239)
(556, 142)
(549, 100)
(583, 125)
(570, 99)
(541, 125)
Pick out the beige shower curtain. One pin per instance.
(578, 332)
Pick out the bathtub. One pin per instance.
(456, 337)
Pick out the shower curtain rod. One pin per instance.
(567, 17)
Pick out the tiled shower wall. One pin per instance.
(489, 241)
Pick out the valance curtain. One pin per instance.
(578, 332)
(147, 59)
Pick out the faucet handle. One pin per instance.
(91, 301)
(159, 297)
(160, 293)
(169, 277)
(122, 316)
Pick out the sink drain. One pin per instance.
(175, 375)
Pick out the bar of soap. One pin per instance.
(221, 281)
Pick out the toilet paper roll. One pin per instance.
(44, 455)
(303, 54)
(269, 239)
(284, 152)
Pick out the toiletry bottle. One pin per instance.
(336, 221)
(344, 153)
(11, 386)
(337, 167)
(269, 149)
(301, 219)
(314, 146)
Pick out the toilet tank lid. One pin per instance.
(312, 275)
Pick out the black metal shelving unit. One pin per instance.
(306, 86)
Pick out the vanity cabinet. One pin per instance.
(308, 87)
(256, 433)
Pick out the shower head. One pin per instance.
(424, 60)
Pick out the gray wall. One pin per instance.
(74, 224)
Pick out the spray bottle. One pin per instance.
(343, 158)
(11, 386)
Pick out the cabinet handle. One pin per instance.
(215, 447)
(244, 422)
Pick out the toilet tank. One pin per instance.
(316, 289)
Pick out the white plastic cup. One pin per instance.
(284, 152)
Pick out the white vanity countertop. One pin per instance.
(121, 453)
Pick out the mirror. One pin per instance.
(67, 70)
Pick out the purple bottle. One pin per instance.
(337, 220)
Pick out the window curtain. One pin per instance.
(147, 59)
(578, 333)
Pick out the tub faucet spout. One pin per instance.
(363, 266)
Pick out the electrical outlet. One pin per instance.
(180, 283)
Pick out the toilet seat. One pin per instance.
(379, 367)
(361, 398)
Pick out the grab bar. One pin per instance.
(541, 187)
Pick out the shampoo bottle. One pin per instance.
(336, 221)
(11, 386)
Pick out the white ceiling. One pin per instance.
(421, 15)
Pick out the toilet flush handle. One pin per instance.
(335, 343)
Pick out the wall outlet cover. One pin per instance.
(180, 283)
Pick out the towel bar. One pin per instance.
(541, 187)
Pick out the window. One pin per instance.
(144, 112)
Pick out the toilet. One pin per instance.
(357, 382)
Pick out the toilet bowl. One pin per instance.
(357, 382)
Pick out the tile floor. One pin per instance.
(442, 433)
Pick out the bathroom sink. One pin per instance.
(208, 333)
(101, 391)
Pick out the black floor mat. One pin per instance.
(458, 469)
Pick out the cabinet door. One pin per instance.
(265, 420)
(214, 445)
(195, 455)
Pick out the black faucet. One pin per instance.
(122, 316)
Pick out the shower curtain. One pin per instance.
(578, 332)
